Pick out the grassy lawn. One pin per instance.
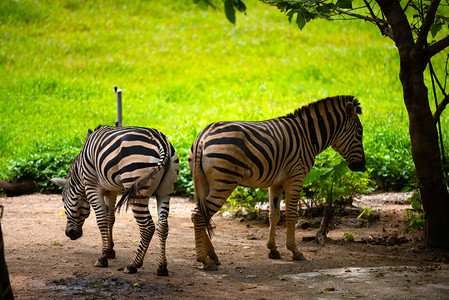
(181, 67)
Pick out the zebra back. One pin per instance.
(107, 147)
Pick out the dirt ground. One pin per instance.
(44, 264)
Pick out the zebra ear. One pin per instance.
(59, 181)
(350, 109)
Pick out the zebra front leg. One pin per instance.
(146, 228)
(291, 215)
(95, 198)
(275, 193)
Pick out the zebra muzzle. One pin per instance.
(73, 234)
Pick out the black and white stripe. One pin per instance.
(276, 153)
(135, 161)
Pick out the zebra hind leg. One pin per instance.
(200, 242)
(162, 232)
(205, 251)
(146, 228)
(110, 198)
(210, 250)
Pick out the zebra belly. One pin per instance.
(253, 182)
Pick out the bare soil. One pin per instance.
(44, 264)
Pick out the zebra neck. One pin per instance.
(319, 131)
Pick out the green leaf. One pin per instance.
(230, 11)
(340, 169)
(290, 15)
(325, 8)
(327, 173)
(344, 4)
(241, 7)
(434, 28)
(300, 21)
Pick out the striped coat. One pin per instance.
(276, 153)
(135, 161)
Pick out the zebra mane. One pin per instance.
(98, 127)
(340, 101)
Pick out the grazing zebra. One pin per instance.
(135, 161)
(276, 153)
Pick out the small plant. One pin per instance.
(331, 186)
(366, 213)
(416, 216)
(349, 236)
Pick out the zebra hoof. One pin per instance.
(130, 269)
(162, 271)
(110, 254)
(210, 266)
(298, 256)
(102, 262)
(274, 254)
(214, 257)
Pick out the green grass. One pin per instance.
(181, 67)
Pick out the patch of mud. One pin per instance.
(96, 287)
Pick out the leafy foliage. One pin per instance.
(335, 185)
(366, 213)
(184, 185)
(243, 201)
(349, 236)
(42, 166)
(416, 216)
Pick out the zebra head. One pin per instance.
(76, 206)
(348, 142)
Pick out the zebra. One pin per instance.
(135, 161)
(277, 154)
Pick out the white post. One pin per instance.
(119, 122)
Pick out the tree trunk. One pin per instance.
(5, 285)
(426, 156)
(422, 127)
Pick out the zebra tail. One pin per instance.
(199, 184)
(132, 191)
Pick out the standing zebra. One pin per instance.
(137, 162)
(276, 153)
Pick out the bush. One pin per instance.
(184, 185)
(42, 166)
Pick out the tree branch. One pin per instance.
(373, 20)
(425, 28)
(441, 108)
(384, 29)
(382, 24)
(437, 47)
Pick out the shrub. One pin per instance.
(416, 215)
(42, 166)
